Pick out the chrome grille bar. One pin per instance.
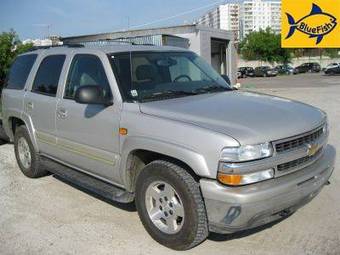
(299, 141)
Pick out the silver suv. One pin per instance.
(158, 126)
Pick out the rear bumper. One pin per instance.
(272, 74)
(232, 209)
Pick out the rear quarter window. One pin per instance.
(19, 71)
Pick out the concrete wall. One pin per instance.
(295, 62)
(194, 41)
(231, 53)
(200, 43)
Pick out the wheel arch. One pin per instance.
(139, 152)
(14, 121)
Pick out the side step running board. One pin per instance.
(88, 182)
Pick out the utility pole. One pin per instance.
(48, 30)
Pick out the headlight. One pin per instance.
(247, 152)
(243, 179)
(325, 128)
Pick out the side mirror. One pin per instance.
(226, 78)
(92, 94)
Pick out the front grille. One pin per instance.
(298, 162)
(295, 143)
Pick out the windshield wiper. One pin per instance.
(168, 94)
(212, 89)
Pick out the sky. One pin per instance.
(38, 18)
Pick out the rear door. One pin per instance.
(13, 93)
(41, 102)
(88, 136)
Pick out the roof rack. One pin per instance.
(69, 45)
(120, 40)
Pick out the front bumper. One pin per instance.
(232, 209)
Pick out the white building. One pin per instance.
(38, 42)
(244, 17)
(260, 14)
(52, 40)
(224, 17)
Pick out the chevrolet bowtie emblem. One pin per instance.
(312, 149)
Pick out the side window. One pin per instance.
(122, 69)
(86, 70)
(19, 71)
(47, 78)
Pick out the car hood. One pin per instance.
(250, 118)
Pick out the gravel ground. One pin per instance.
(48, 216)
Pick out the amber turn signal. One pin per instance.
(230, 179)
(244, 179)
(123, 131)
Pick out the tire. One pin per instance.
(30, 168)
(192, 228)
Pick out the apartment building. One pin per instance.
(259, 14)
(224, 17)
(244, 17)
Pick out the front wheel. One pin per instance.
(170, 205)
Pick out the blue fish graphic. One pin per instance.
(326, 21)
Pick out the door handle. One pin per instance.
(29, 106)
(62, 113)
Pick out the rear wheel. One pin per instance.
(27, 158)
(170, 205)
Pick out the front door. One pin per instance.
(88, 134)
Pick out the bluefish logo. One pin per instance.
(317, 24)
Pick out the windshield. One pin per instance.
(146, 76)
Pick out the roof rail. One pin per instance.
(70, 45)
(120, 40)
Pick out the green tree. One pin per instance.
(332, 52)
(10, 47)
(264, 45)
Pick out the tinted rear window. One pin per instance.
(19, 71)
(47, 78)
